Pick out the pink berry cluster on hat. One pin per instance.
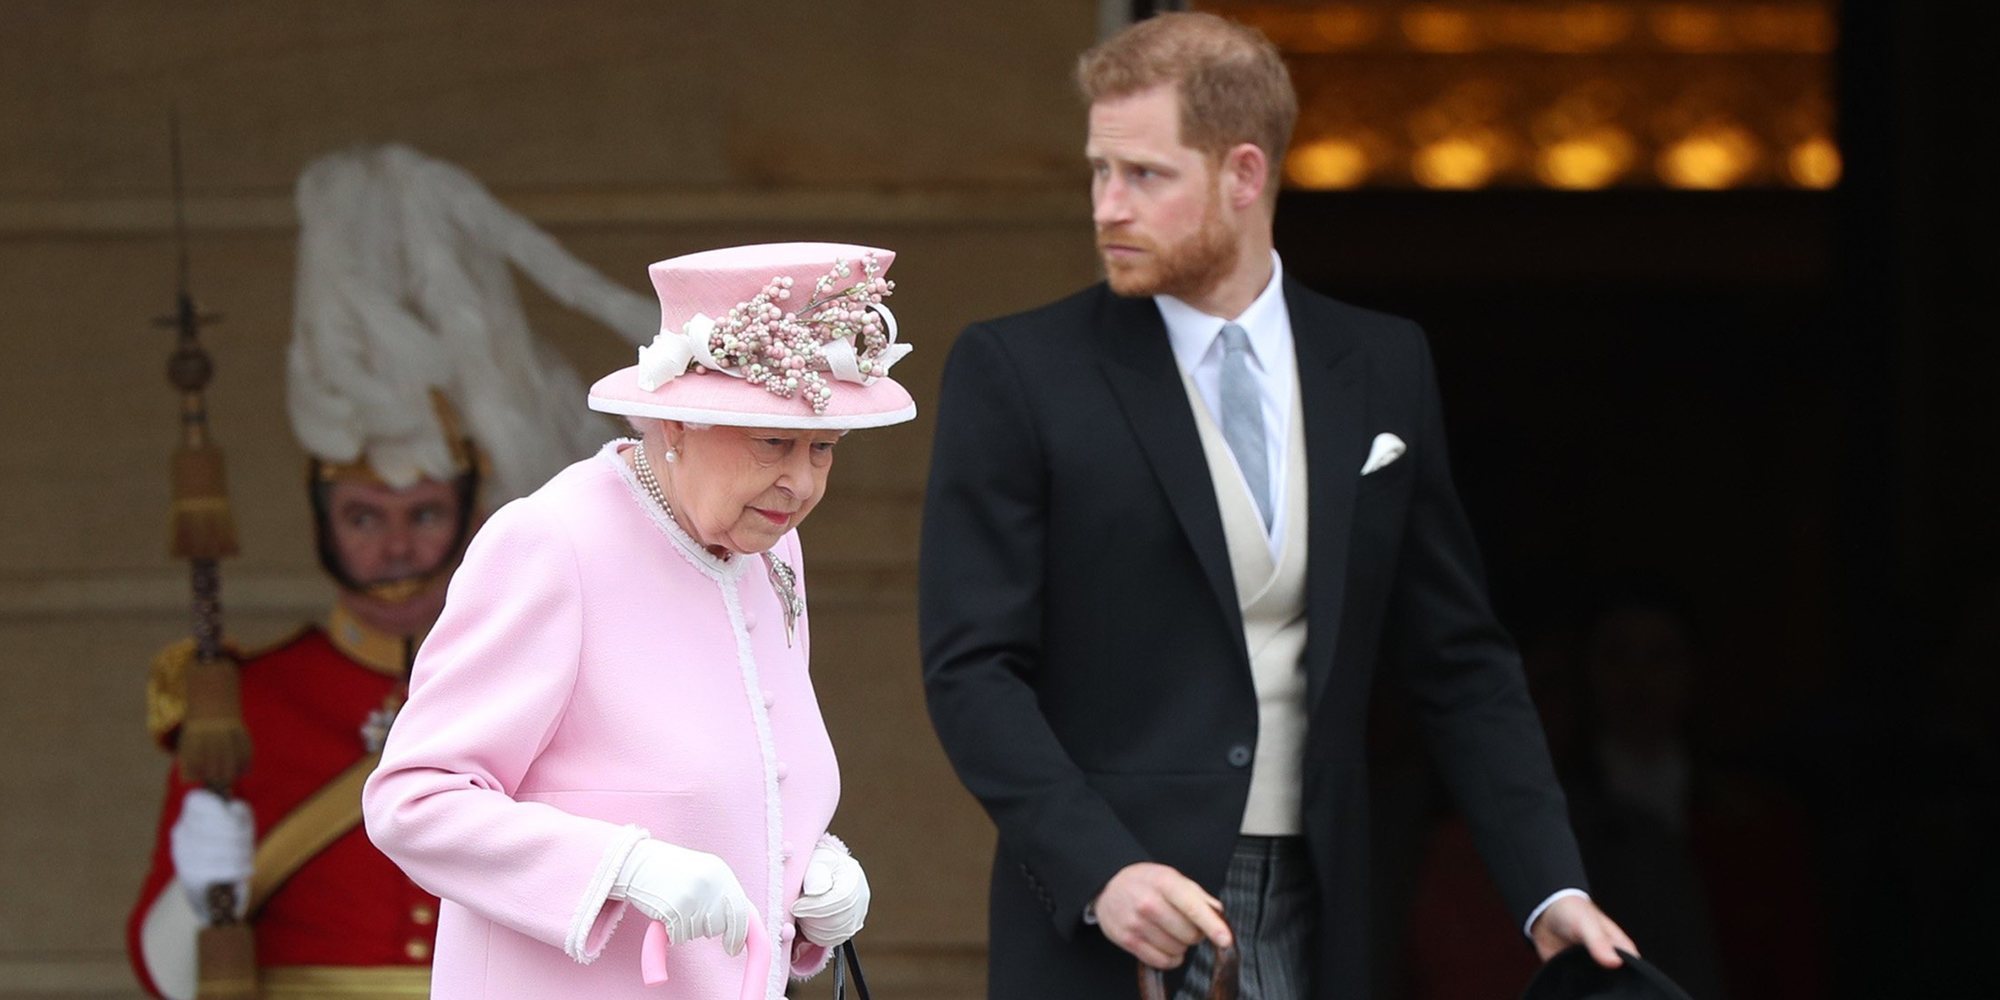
(790, 335)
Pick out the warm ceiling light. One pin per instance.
(1586, 162)
(1690, 27)
(1344, 26)
(1582, 27)
(1327, 164)
(1710, 158)
(1785, 28)
(1814, 163)
(1434, 27)
(1457, 162)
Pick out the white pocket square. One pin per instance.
(1387, 448)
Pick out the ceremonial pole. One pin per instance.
(214, 746)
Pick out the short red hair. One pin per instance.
(1232, 84)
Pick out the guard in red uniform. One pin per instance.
(405, 318)
(332, 915)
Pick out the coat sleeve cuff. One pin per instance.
(597, 914)
(1528, 927)
(809, 959)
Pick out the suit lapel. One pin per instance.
(1139, 364)
(1333, 403)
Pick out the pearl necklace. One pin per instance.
(644, 468)
(650, 481)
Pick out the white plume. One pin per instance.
(404, 286)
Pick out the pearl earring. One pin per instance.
(672, 455)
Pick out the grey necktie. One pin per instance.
(1243, 417)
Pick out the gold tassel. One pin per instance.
(214, 747)
(202, 526)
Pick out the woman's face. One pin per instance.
(742, 488)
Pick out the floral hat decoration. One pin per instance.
(791, 335)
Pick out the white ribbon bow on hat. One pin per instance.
(842, 362)
(667, 357)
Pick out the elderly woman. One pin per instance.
(614, 711)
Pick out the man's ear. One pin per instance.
(1246, 172)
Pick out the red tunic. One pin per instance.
(305, 703)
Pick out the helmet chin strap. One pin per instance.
(404, 588)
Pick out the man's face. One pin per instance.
(383, 535)
(1157, 203)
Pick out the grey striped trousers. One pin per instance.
(1270, 899)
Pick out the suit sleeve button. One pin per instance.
(1239, 756)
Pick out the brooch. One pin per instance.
(786, 583)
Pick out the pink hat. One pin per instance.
(772, 335)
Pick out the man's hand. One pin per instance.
(1157, 914)
(213, 841)
(1574, 920)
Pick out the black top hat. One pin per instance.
(1574, 975)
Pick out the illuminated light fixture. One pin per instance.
(1814, 163)
(1785, 28)
(1328, 164)
(1586, 162)
(1432, 27)
(1344, 26)
(1561, 29)
(1586, 27)
(1710, 158)
(1690, 27)
(1456, 162)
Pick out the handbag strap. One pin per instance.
(845, 961)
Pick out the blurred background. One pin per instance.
(1706, 282)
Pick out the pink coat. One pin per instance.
(597, 678)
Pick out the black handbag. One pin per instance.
(845, 964)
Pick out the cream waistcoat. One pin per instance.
(1271, 593)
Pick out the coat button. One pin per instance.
(1239, 756)
(750, 620)
(423, 915)
(783, 771)
(769, 698)
(787, 932)
(417, 949)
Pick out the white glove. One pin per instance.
(833, 903)
(213, 841)
(692, 892)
